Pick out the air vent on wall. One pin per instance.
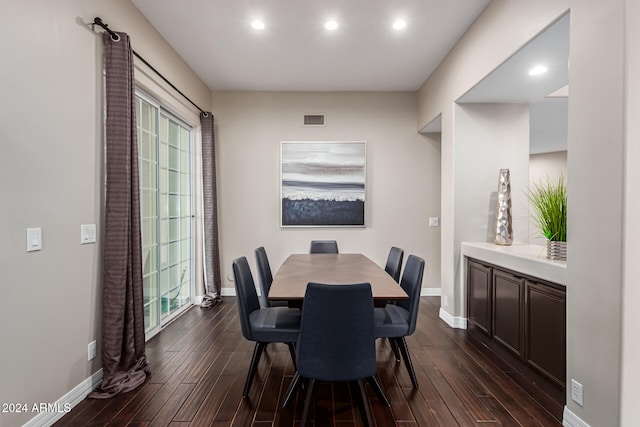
(314, 119)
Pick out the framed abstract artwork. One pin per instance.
(322, 183)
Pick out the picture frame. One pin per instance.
(322, 183)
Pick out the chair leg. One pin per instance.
(378, 389)
(295, 382)
(292, 351)
(307, 403)
(365, 405)
(394, 346)
(404, 350)
(257, 352)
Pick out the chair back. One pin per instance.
(323, 247)
(246, 294)
(264, 275)
(412, 283)
(394, 263)
(336, 341)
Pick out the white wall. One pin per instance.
(403, 174)
(51, 177)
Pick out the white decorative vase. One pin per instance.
(504, 229)
(557, 251)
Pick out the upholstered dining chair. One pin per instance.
(397, 320)
(265, 278)
(394, 263)
(323, 247)
(262, 325)
(337, 340)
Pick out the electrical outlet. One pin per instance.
(445, 301)
(91, 350)
(434, 221)
(576, 392)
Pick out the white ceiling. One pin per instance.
(295, 53)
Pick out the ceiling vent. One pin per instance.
(314, 119)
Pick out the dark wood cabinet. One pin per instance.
(508, 295)
(546, 330)
(479, 295)
(520, 315)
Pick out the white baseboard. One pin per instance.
(430, 292)
(231, 292)
(454, 322)
(569, 419)
(53, 412)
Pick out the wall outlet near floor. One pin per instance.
(434, 221)
(91, 350)
(576, 392)
(445, 301)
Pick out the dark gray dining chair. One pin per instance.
(265, 278)
(337, 341)
(397, 320)
(262, 325)
(323, 247)
(394, 263)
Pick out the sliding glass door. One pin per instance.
(166, 212)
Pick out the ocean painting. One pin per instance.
(323, 183)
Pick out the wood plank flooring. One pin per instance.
(199, 364)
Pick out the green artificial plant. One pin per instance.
(548, 201)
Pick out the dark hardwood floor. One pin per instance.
(199, 364)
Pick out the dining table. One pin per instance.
(291, 279)
(298, 270)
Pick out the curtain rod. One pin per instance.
(115, 37)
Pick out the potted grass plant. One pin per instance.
(548, 202)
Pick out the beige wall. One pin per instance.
(630, 390)
(403, 174)
(488, 137)
(51, 177)
(600, 275)
(595, 213)
(546, 165)
(503, 28)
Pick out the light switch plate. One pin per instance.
(87, 233)
(34, 239)
(434, 221)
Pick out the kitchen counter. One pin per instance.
(524, 258)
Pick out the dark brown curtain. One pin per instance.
(210, 214)
(124, 361)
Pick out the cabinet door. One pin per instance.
(479, 296)
(508, 297)
(545, 330)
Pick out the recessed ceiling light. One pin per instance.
(257, 25)
(537, 70)
(399, 24)
(331, 25)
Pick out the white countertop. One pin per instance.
(524, 258)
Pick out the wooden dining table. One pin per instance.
(291, 279)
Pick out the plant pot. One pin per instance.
(557, 251)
